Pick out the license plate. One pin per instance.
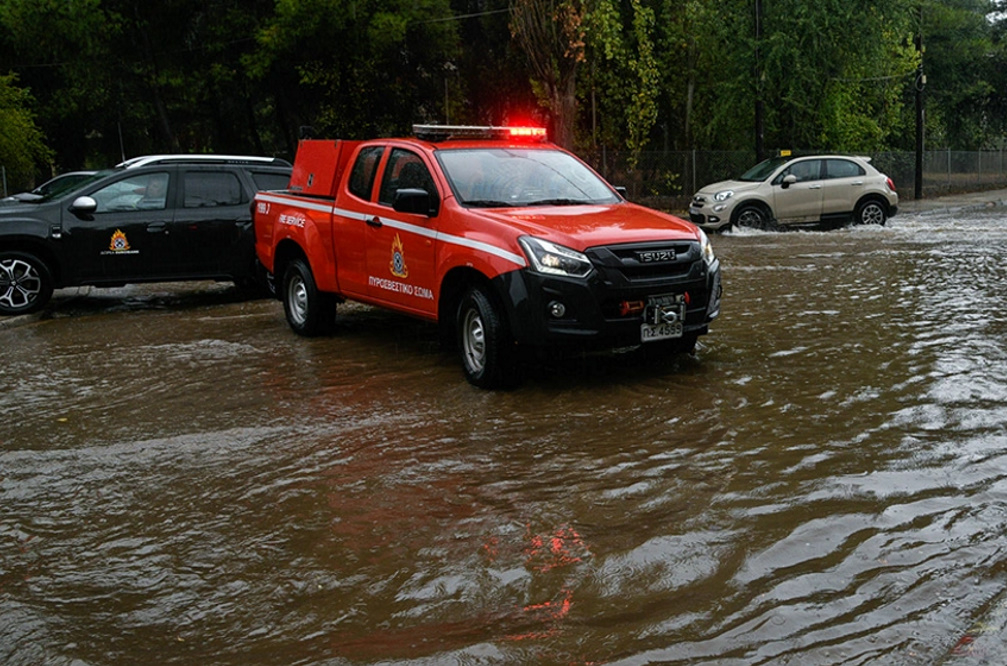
(652, 332)
(663, 318)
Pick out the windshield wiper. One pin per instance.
(556, 202)
(489, 203)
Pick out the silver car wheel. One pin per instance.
(871, 213)
(20, 284)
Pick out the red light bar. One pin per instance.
(527, 132)
(449, 132)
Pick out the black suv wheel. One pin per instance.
(25, 283)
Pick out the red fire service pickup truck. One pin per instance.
(510, 243)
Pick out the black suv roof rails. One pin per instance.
(145, 160)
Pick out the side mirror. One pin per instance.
(621, 189)
(83, 206)
(414, 200)
(789, 180)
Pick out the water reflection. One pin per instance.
(823, 484)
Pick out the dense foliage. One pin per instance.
(88, 82)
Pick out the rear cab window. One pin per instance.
(365, 168)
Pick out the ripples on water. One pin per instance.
(823, 484)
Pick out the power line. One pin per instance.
(465, 16)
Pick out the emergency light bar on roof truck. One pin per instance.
(436, 133)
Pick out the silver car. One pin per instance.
(790, 191)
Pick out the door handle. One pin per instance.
(815, 187)
(156, 227)
(374, 222)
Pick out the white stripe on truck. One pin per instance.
(398, 224)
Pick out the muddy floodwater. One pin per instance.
(185, 481)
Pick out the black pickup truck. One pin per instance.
(159, 218)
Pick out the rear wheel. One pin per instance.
(25, 283)
(309, 312)
(487, 350)
(871, 212)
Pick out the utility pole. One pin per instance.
(760, 148)
(921, 82)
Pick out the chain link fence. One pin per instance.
(667, 179)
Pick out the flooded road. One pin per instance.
(185, 481)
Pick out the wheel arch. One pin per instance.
(752, 202)
(287, 251)
(456, 281)
(872, 197)
(40, 250)
(875, 197)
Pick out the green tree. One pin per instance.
(960, 52)
(491, 83)
(551, 34)
(822, 88)
(997, 111)
(57, 48)
(22, 145)
(177, 81)
(624, 70)
(356, 69)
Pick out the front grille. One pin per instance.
(627, 265)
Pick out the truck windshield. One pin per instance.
(509, 177)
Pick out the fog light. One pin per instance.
(557, 309)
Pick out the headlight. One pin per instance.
(552, 259)
(706, 248)
(723, 195)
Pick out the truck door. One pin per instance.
(401, 246)
(351, 231)
(126, 238)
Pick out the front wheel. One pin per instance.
(487, 350)
(871, 212)
(753, 217)
(25, 283)
(309, 312)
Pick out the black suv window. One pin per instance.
(843, 169)
(270, 180)
(211, 188)
(148, 191)
(364, 170)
